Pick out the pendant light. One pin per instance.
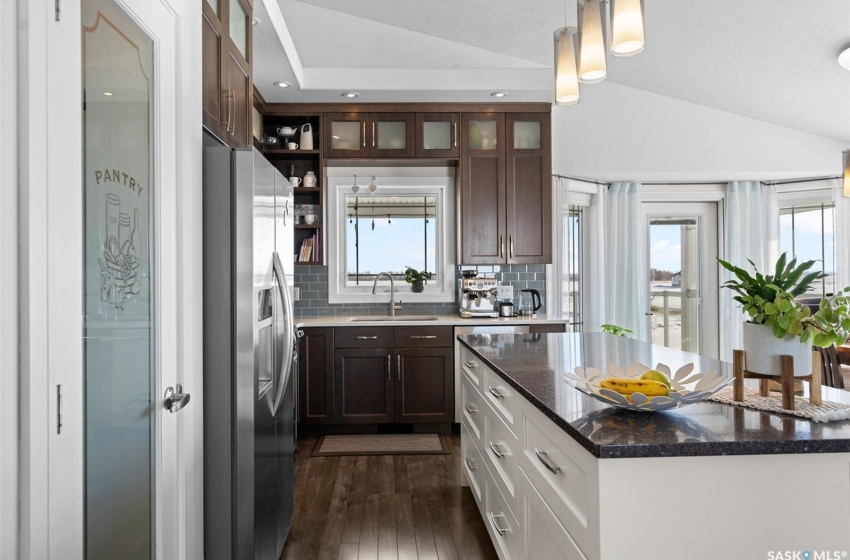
(566, 74)
(847, 173)
(627, 33)
(592, 67)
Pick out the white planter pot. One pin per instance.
(762, 351)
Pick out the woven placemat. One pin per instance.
(826, 412)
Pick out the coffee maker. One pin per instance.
(478, 297)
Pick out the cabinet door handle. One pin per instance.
(471, 409)
(225, 95)
(496, 393)
(511, 246)
(547, 462)
(389, 368)
(373, 134)
(423, 336)
(471, 364)
(469, 465)
(233, 112)
(496, 452)
(361, 337)
(364, 134)
(500, 530)
(455, 135)
(399, 367)
(501, 246)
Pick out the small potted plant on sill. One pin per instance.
(779, 324)
(416, 278)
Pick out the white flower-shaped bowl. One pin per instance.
(687, 387)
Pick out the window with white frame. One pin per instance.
(573, 199)
(807, 232)
(405, 222)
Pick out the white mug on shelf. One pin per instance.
(292, 146)
(295, 181)
(310, 218)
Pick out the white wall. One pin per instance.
(619, 133)
(8, 285)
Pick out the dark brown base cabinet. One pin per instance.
(384, 375)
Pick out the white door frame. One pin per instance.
(50, 278)
(708, 218)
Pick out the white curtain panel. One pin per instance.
(627, 284)
(561, 190)
(595, 289)
(842, 236)
(745, 239)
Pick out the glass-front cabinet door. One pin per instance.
(347, 135)
(437, 135)
(392, 135)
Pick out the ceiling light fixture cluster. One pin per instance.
(580, 54)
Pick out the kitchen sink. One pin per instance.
(398, 318)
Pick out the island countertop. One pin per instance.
(534, 364)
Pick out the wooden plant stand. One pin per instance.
(786, 379)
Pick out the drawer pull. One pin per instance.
(469, 465)
(496, 452)
(471, 364)
(423, 336)
(471, 409)
(361, 337)
(500, 530)
(496, 393)
(547, 462)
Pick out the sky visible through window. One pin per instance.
(809, 234)
(389, 246)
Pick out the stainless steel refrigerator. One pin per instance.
(249, 355)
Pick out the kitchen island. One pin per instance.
(557, 474)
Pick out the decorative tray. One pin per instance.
(686, 387)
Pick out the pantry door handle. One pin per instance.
(399, 367)
(389, 368)
(547, 462)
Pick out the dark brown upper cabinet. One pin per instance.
(506, 189)
(369, 135)
(437, 135)
(226, 76)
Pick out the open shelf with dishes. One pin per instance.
(291, 142)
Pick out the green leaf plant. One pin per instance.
(616, 330)
(412, 275)
(770, 301)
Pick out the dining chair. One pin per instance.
(831, 367)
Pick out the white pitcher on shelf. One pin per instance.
(307, 137)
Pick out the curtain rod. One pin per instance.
(811, 180)
(583, 179)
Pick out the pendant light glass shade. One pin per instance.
(566, 74)
(627, 37)
(847, 173)
(592, 67)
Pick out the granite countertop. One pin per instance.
(534, 364)
(453, 320)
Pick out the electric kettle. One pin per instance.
(529, 302)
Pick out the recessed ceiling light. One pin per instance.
(108, 93)
(350, 94)
(255, 21)
(844, 58)
(283, 84)
(499, 94)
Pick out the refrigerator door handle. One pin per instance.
(288, 337)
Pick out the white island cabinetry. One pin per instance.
(543, 495)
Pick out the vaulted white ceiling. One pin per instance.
(770, 60)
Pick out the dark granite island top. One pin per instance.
(534, 365)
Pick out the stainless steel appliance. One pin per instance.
(478, 297)
(249, 355)
(529, 303)
(506, 309)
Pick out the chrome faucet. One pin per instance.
(392, 291)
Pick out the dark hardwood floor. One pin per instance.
(398, 507)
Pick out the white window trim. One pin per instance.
(443, 290)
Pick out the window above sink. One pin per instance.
(406, 221)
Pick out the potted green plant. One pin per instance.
(779, 324)
(416, 278)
